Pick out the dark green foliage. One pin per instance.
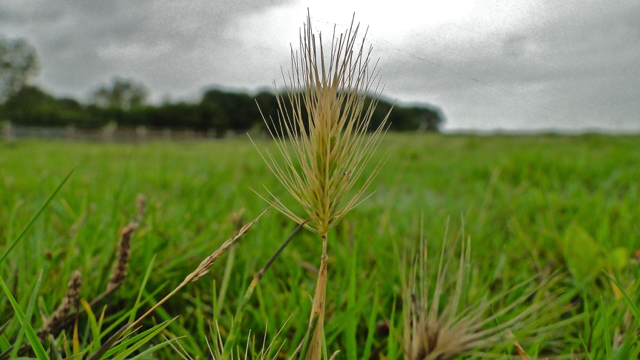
(218, 111)
(122, 94)
(32, 106)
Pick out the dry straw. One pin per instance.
(202, 269)
(323, 134)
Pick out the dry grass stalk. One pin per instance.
(521, 353)
(122, 262)
(69, 302)
(325, 152)
(435, 332)
(201, 270)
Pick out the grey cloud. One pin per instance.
(561, 60)
(86, 43)
(575, 69)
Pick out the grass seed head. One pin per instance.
(69, 302)
(206, 264)
(122, 262)
(326, 119)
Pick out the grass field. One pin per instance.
(533, 206)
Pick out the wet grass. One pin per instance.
(532, 206)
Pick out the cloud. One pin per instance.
(487, 64)
(561, 66)
(168, 45)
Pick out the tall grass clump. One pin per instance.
(322, 133)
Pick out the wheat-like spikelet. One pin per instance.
(69, 302)
(330, 145)
(206, 264)
(323, 138)
(122, 261)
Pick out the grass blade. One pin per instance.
(156, 330)
(6, 355)
(371, 327)
(352, 322)
(132, 316)
(31, 335)
(107, 345)
(93, 323)
(145, 354)
(33, 219)
(4, 327)
(30, 306)
(632, 305)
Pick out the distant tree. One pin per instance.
(18, 63)
(408, 118)
(122, 94)
(218, 111)
(267, 104)
(32, 106)
(174, 115)
(430, 119)
(234, 111)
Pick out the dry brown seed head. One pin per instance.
(122, 261)
(69, 302)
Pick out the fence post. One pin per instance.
(166, 134)
(108, 131)
(70, 132)
(7, 131)
(141, 133)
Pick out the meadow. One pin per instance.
(557, 210)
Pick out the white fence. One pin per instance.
(109, 133)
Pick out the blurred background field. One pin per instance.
(531, 205)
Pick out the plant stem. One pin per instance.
(319, 297)
(235, 325)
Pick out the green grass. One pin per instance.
(531, 205)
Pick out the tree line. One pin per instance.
(124, 102)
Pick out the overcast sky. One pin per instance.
(488, 64)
